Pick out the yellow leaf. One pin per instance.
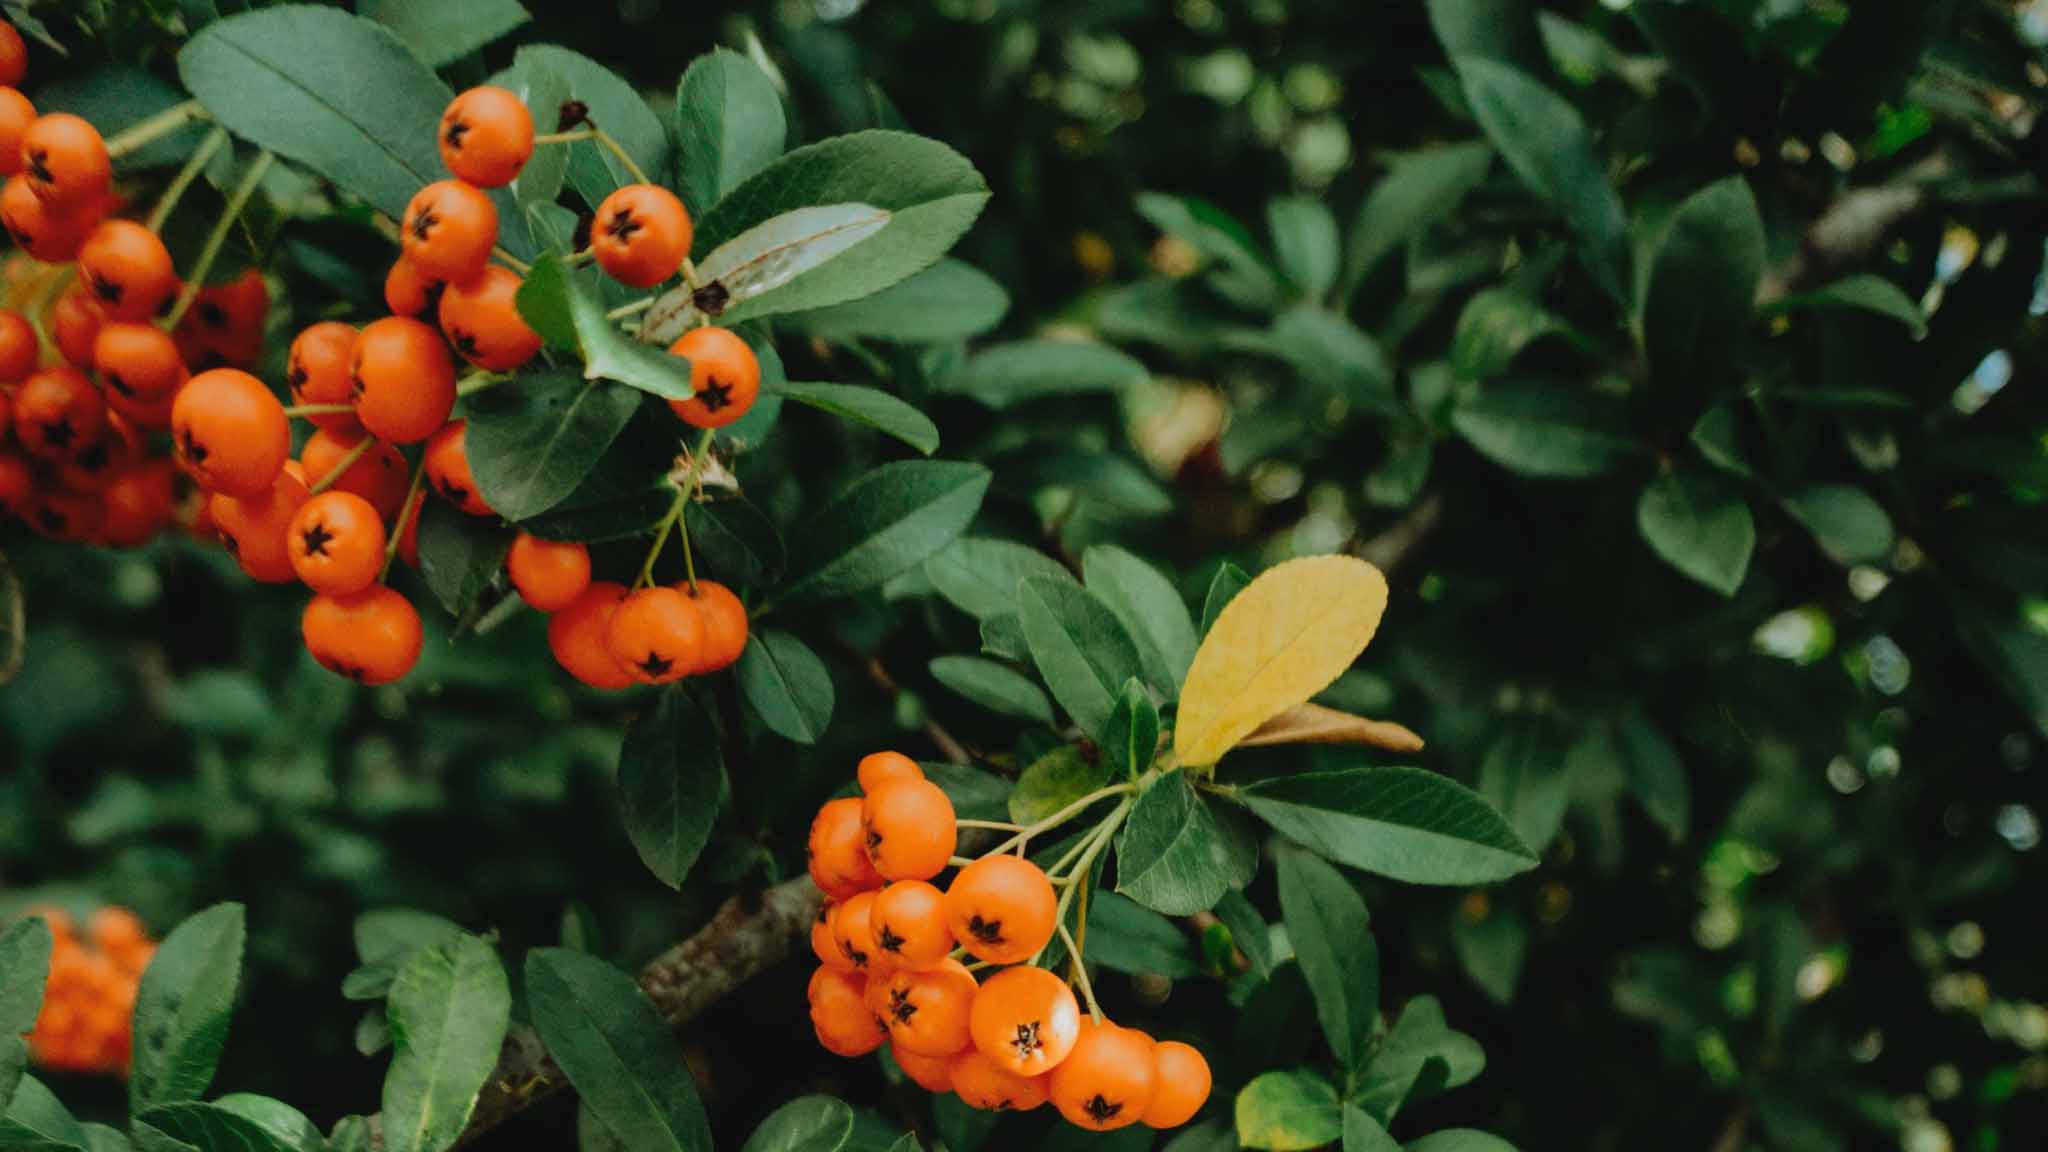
(1280, 641)
(1315, 724)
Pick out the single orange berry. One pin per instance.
(75, 325)
(838, 857)
(115, 929)
(447, 464)
(1026, 1020)
(878, 768)
(853, 927)
(926, 1011)
(725, 623)
(378, 475)
(127, 269)
(578, 636)
(910, 829)
(50, 233)
(58, 414)
(231, 434)
(486, 136)
(317, 371)
(64, 515)
(1105, 1083)
(65, 160)
(401, 380)
(1180, 1085)
(480, 317)
(640, 235)
(336, 543)
(254, 529)
(985, 1084)
(372, 637)
(449, 230)
(840, 1015)
(909, 924)
(408, 291)
(824, 945)
(18, 349)
(137, 502)
(1001, 908)
(17, 112)
(724, 373)
(137, 361)
(931, 1073)
(13, 55)
(151, 412)
(237, 308)
(657, 635)
(17, 483)
(548, 574)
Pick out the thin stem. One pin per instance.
(1063, 815)
(605, 138)
(1096, 842)
(633, 309)
(579, 258)
(661, 531)
(569, 137)
(406, 512)
(476, 382)
(998, 825)
(318, 409)
(175, 191)
(237, 200)
(1079, 972)
(978, 965)
(511, 261)
(143, 133)
(689, 271)
(342, 465)
(959, 861)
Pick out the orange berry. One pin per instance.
(13, 55)
(656, 635)
(401, 380)
(254, 528)
(724, 373)
(725, 623)
(63, 515)
(409, 536)
(16, 114)
(838, 857)
(231, 434)
(317, 370)
(336, 543)
(578, 637)
(910, 829)
(878, 768)
(1180, 1085)
(137, 361)
(926, 1012)
(1026, 1020)
(372, 637)
(18, 350)
(45, 231)
(840, 1015)
(931, 1073)
(480, 317)
(486, 136)
(17, 483)
(232, 315)
(1105, 1083)
(75, 325)
(853, 929)
(58, 414)
(378, 475)
(449, 230)
(447, 464)
(985, 1084)
(1001, 908)
(640, 235)
(137, 502)
(65, 160)
(127, 269)
(114, 929)
(151, 412)
(407, 290)
(824, 945)
(909, 924)
(549, 574)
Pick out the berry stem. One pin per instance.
(1095, 842)
(175, 191)
(689, 270)
(318, 409)
(476, 382)
(406, 511)
(998, 825)
(617, 149)
(661, 531)
(342, 465)
(959, 861)
(1063, 815)
(143, 133)
(511, 261)
(569, 137)
(218, 238)
(633, 309)
(1077, 971)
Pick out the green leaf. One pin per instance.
(1699, 526)
(870, 406)
(100, 1138)
(1459, 1140)
(1288, 1111)
(1702, 286)
(1079, 646)
(670, 779)
(219, 1125)
(282, 1121)
(976, 794)
(1305, 243)
(1239, 273)
(1647, 763)
(806, 1124)
(1172, 854)
(1523, 777)
(787, 686)
(1362, 1133)
(182, 1008)
(1848, 525)
(1007, 375)
(1151, 610)
(389, 935)
(533, 440)
(115, 97)
(615, 106)
(152, 1139)
(1491, 950)
(755, 267)
(1053, 781)
(1539, 428)
(1004, 636)
(1328, 924)
(444, 31)
(979, 576)
(1131, 737)
(24, 969)
(996, 687)
(1332, 353)
(1420, 189)
(567, 315)
(1223, 587)
(1546, 143)
(1129, 938)
(948, 301)
(1406, 823)
(448, 1009)
(1419, 1055)
(729, 125)
(616, 1050)
(736, 540)
(1718, 437)
(883, 524)
(459, 554)
(1494, 328)
(36, 1121)
(1865, 292)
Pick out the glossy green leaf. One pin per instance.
(1865, 292)
(1406, 823)
(1223, 587)
(36, 1121)
(1007, 375)
(1523, 776)
(1328, 925)
(870, 406)
(24, 968)
(616, 1050)
(1288, 1111)
(1054, 781)
(1700, 526)
(806, 1124)
(950, 300)
(1492, 950)
(1080, 647)
(1419, 189)
(979, 576)
(729, 125)
(753, 268)
(1850, 526)
(568, 315)
(1151, 610)
(182, 1008)
(787, 686)
(1544, 428)
(615, 106)
(671, 776)
(459, 554)
(445, 31)
(1173, 855)
(884, 523)
(1494, 328)
(1460, 1140)
(996, 687)
(1702, 286)
(1238, 270)
(217, 1124)
(1419, 1055)
(1128, 937)
(1131, 737)
(448, 1010)
(1362, 1133)
(533, 440)
(1305, 243)
(1334, 354)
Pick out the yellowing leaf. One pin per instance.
(1315, 724)
(1280, 641)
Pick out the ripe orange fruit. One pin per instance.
(926, 1012)
(447, 463)
(127, 269)
(878, 768)
(853, 930)
(656, 635)
(401, 380)
(137, 502)
(13, 55)
(725, 624)
(1105, 1083)
(837, 850)
(480, 317)
(931, 1073)
(231, 434)
(17, 483)
(253, 528)
(65, 161)
(18, 349)
(910, 829)
(407, 290)
(64, 515)
(824, 945)
(48, 232)
(409, 534)
(317, 370)
(640, 235)
(909, 924)
(985, 1084)
(1180, 1085)
(58, 414)
(724, 373)
(75, 325)
(577, 635)
(16, 114)
(548, 574)
(378, 475)
(231, 313)
(486, 136)
(840, 1015)
(1001, 908)
(449, 230)
(372, 637)
(1026, 1020)
(137, 361)
(336, 543)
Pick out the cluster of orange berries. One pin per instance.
(89, 1001)
(889, 972)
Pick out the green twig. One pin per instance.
(237, 200)
(168, 202)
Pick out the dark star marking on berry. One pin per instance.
(888, 940)
(900, 1007)
(212, 315)
(1101, 1110)
(457, 129)
(115, 382)
(465, 343)
(94, 456)
(985, 931)
(859, 958)
(58, 433)
(110, 291)
(296, 376)
(233, 546)
(717, 394)
(623, 225)
(316, 539)
(195, 453)
(455, 494)
(571, 113)
(874, 839)
(1005, 1105)
(425, 221)
(1026, 1041)
(53, 521)
(39, 167)
(656, 664)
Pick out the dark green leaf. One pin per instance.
(1419, 1055)
(1327, 922)
(1054, 781)
(115, 97)
(1173, 855)
(1459, 1140)
(806, 1124)
(882, 524)
(1151, 610)
(947, 301)
(996, 687)
(614, 106)
(1407, 823)
(1848, 525)
(1362, 1133)
(1698, 526)
(1128, 938)
(1288, 1111)
(444, 31)
(448, 1010)
(1223, 587)
(1866, 292)
(979, 576)
(569, 315)
(976, 794)
(24, 968)
(787, 686)
(736, 540)
(459, 554)
(218, 1125)
(616, 1050)
(1304, 243)
(1491, 950)
(1239, 273)
(183, 1006)
(533, 440)
(1494, 328)
(1131, 737)
(729, 125)
(1523, 776)
(1004, 636)
(1543, 428)
(1080, 647)
(1007, 375)
(1420, 189)
(670, 779)
(1333, 354)
(869, 406)
(36, 1121)
(1702, 286)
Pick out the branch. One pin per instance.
(949, 746)
(1854, 227)
(750, 933)
(1392, 547)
